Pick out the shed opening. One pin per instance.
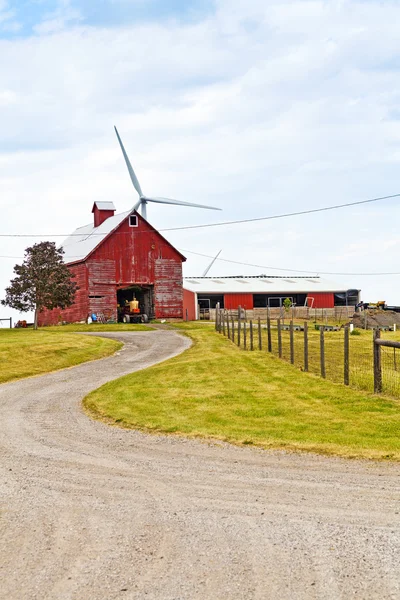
(135, 304)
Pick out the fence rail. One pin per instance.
(9, 320)
(330, 352)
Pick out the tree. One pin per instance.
(42, 281)
(287, 303)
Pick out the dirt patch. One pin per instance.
(375, 318)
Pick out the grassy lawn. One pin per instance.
(25, 352)
(361, 356)
(215, 390)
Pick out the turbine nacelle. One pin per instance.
(143, 200)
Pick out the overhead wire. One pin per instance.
(312, 273)
(218, 224)
(239, 221)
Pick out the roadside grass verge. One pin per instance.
(25, 352)
(215, 390)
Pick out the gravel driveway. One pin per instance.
(91, 512)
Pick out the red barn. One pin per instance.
(259, 293)
(117, 258)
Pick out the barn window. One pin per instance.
(133, 221)
(210, 300)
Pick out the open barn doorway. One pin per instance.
(140, 311)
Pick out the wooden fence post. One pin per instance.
(306, 346)
(346, 356)
(322, 350)
(269, 334)
(216, 316)
(233, 329)
(279, 338)
(291, 342)
(251, 336)
(244, 335)
(223, 321)
(377, 363)
(259, 334)
(227, 326)
(239, 328)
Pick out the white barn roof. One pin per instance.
(104, 205)
(85, 239)
(260, 284)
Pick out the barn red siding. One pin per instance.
(101, 215)
(168, 292)
(135, 251)
(79, 310)
(322, 300)
(189, 305)
(232, 301)
(130, 255)
(102, 289)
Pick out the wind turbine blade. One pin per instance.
(134, 179)
(159, 200)
(211, 264)
(137, 205)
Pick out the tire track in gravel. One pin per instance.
(96, 512)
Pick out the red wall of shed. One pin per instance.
(232, 301)
(322, 300)
(189, 305)
(79, 310)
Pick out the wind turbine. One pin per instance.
(211, 264)
(143, 200)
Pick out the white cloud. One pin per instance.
(59, 19)
(261, 108)
(7, 21)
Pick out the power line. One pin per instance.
(315, 272)
(247, 264)
(285, 215)
(220, 224)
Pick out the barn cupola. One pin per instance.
(102, 211)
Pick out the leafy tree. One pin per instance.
(287, 303)
(42, 281)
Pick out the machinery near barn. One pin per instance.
(380, 305)
(131, 312)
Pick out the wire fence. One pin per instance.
(362, 360)
(6, 322)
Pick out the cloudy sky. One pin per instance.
(258, 107)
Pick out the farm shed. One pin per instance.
(259, 293)
(117, 258)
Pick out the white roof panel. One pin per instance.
(256, 285)
(85, 239)
(105, 205)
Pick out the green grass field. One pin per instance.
(361, 356)
(215, 390)
(25, 352)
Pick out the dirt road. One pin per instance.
(90, 512)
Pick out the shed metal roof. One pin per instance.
(260, 284)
